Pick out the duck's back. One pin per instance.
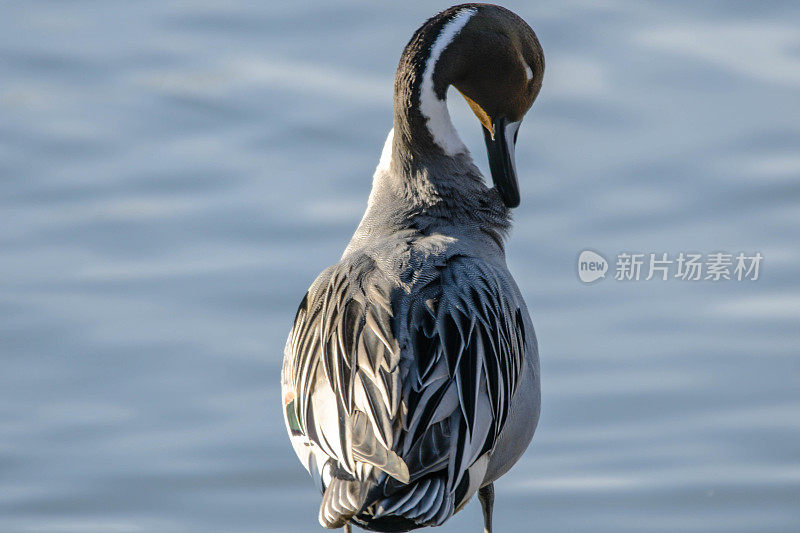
(399, 376)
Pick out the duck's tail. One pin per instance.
(426, 502)
(343, 499)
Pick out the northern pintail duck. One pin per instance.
(411, 376)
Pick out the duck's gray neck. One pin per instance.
(426, 180)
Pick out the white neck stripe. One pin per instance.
(528, 71)
(433, 109)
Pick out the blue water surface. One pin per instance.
(173, 175)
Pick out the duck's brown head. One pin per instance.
(495, 60)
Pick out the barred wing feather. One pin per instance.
(468, 337)
(341, 348)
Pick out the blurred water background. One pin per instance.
(173, 175)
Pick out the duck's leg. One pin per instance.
(486, 497)
(347, 528)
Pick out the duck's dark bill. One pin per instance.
(501, 159)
